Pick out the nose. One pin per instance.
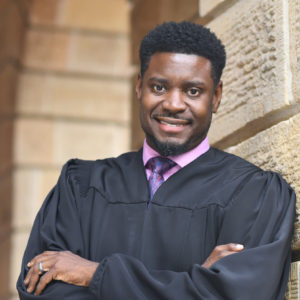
(174, 102)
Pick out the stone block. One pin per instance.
(11, 33)
(3, 5)
(110, 16)
(46, 49)
(73, 97)
(19, 242)
(100, 15)
(89, 140)
(257, 78)
(294, 10)
(76, 52)
(293, 292)
(5, 205)
(33, 141)
(6, 137)
(47, 142)
(100, 54)
(45, 12)
(277, 149)
(8, 82)
(4, 267)
(31, 186)
(210, 7)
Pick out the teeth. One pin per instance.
(171, 125)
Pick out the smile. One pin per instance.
(171, 125)
(172, 122)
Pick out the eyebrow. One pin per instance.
(161, 80)
(188, 82)
(193, 83)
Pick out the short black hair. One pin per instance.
(187, 38)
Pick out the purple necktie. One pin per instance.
(158, 165)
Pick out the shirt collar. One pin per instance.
(183, 159)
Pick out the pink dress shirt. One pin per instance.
(181, 160)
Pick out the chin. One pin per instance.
(168, 148)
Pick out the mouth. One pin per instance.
(171, 125)
(172, 122)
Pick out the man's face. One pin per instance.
(177, 98)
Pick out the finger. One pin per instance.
(225, 253)
(41, 257)
(229, 247)
(235, 247)
(34, 273)
(32, 278)
(44, 280)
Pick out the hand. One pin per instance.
(58, 265)
(222, 251)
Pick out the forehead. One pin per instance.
(178, 65)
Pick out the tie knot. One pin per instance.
(160, 165)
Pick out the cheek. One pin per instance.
(148, 104)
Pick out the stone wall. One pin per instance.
(259, 115)
(72, 99)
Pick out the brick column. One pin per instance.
(13, 18)
(72, 99)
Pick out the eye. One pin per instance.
(158, 88)
(193, 92)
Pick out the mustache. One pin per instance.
(170, 115)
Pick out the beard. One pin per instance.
(167, 148)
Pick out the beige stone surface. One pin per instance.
(257, 77)
(19, 242)
(31, 186)
(101, 54)
(101, 15)
(4, 265)
(46, 49)
(207, 7)
(89, 140)
(111, 16)
(293, 292)
(11, 32)
(8, 82)
(294, 10)
(33, 141)
(277, 149)
(51, 142)
(3, 4)
(6, 206)
(44, 12)
(6, 137)
(73, 97)
(63, 51)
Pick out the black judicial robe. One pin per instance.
(98, 210)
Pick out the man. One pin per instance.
(177, 219)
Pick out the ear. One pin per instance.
(138, 86)
(217, 96)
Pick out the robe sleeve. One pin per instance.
(55, 228)
(260, 216)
